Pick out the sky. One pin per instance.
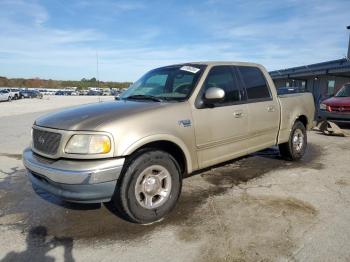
(62, 39)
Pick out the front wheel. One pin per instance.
(295, 148)
(149, 187)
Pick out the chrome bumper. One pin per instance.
(74, 180)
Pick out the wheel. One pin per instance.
(295, 148)
(9, 99)
(149, 187)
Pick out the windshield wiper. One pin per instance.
(144, 97)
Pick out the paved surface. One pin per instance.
(258, 208)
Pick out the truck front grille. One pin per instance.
(46, 142)
(340, 109)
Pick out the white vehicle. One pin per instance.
(5, 95)
(14, 93)
(106, 92)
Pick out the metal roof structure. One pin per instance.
(340, 67)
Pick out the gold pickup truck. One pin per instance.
(175, 120)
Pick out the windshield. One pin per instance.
(166, 83)
(344, 91)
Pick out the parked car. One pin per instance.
(5, 95)
(83, 92)
(94, 93)
(14, 93)
(336, 108)
(172, 122)
(60, 93)
(117, 94)
(30, 94)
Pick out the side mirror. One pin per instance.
(213, 95)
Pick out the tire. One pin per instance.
(141, 173)
(295, 148)
(9, 99)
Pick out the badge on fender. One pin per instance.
(185, 123)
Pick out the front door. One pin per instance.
(221, 128)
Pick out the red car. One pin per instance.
(337, 108)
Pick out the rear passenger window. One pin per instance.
(255, 82)
(222, 77)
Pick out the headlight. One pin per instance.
(323, 106)
(88, 144)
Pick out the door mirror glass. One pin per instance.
(214, 94)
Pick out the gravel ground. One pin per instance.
(257, 208)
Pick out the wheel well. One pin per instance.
(170, 148)
(303, 119)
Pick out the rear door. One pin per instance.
(221, 129)
(263, 108)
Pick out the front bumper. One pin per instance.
(332, 116)
(88, 181)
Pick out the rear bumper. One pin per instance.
(87, 181)
(336, 117)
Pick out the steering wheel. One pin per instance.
(183, 89)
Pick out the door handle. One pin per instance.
(238, 114)
(271, 109)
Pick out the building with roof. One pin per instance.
(322, 79)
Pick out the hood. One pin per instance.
(90, 117)
(337, 101)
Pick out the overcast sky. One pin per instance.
(59, 39)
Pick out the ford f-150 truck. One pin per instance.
(134, 152)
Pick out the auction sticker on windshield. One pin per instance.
(190, 69)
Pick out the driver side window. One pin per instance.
(222, 77)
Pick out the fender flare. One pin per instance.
(161, 137)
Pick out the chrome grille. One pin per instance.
(46, 142)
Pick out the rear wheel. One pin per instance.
(295, 148)
(149, 187)
(9, 99)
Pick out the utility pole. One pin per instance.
(97, 71)
(348, 57)
(97, 77)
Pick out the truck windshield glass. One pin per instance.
(167, 83)
(344, 92)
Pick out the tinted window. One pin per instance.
(222, 77)
(255, 82)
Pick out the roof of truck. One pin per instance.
(212, 63)
(215, 63)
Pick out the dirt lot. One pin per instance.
(258, 208)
